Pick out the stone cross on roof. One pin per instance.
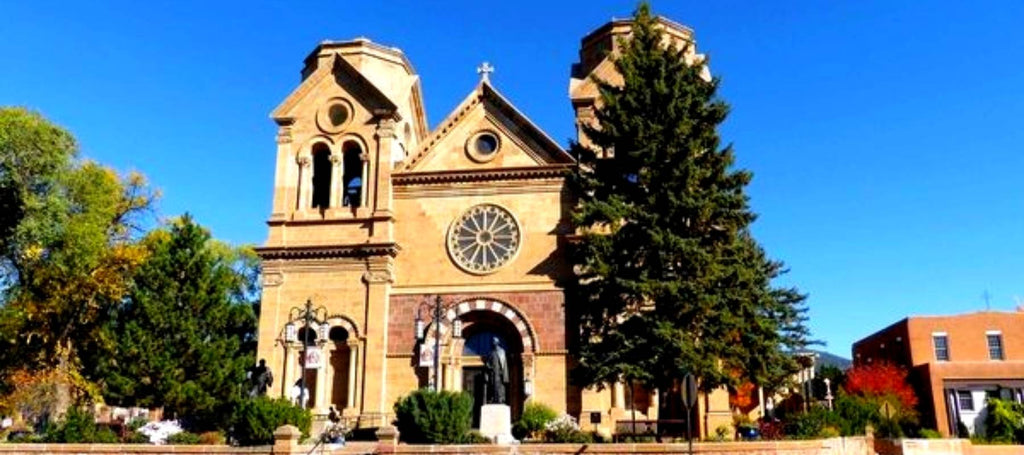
(485, 70)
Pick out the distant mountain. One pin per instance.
(827, 358)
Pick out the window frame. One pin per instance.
(935, 348)
(998, 336)
(960, 400)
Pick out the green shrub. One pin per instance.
(474, 437)
(535, 418)
(429, 417)
(1004, 422)
(928, 433)
(134, 437)
(78, 426)
(722, 433)
(212, 438)
(807, 425)
(256, 419)
(183, 438)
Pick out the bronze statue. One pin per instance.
(260, 379)
(497, 374)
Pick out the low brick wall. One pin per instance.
(835, 446)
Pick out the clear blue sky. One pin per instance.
(885, 137)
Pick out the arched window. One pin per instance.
(321, 176)
(353, 176)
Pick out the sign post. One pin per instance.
(689, 401)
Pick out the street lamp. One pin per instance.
(828, 393)
(312, 317)
(438, 307)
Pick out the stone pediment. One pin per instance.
(452, 147)
(345, 76)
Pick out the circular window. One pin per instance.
(334, 115)
(338, 114)
(483, 146)
(483, 239)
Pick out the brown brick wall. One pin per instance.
(544, 311)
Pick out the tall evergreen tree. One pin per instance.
(669, 279)
(184, 335)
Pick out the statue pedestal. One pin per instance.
(496, 423)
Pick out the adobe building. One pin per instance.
(376, 215)
(955, 363)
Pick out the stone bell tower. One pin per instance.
(597, 52)
(356, 113)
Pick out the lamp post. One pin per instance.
(828, 393)
(309, 315)
(438, 306)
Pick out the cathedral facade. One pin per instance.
(383, 224)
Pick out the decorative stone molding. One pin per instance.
(515, 173)
(329, 252)
(378, 276)
(271, 279)
(386, 128)
(336, 159)
(303, 161)
(284, 134)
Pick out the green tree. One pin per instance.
(669, 279)
(185, 333)
(66, 251)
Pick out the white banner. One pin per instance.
(314, 358)
(426, 355)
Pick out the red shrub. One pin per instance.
(881, 379)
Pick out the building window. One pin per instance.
(321, 176)
(484, 238)
(352, 174)
(941, 347)
(995, 345)
(966, 400)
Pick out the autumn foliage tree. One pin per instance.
(882, 380)
(67, 252)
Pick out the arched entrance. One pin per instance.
(463, 358)
(480, 330)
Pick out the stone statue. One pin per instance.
(497, 374)
(260, 379)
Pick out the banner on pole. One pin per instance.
(314, 358)
(426, 355)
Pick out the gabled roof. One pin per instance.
(484, 91)
(368, 94)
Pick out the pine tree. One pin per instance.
(184, 335)
(669, 279)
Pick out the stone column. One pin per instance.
(353, 360)
(337, 180)
(618, 394)
(305, 183)
(319, 402)
(290, 360)
(331, 375)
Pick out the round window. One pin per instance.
(483, 239)
(338, 114)
(483, 146)
(334, 115)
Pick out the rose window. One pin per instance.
(483, 239)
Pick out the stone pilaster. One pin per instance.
(378, 284)
(381, 167)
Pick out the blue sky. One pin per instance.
(885, 137)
